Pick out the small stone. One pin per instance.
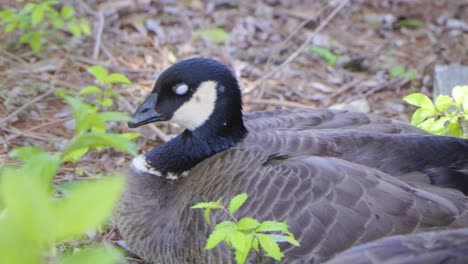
(448, 76)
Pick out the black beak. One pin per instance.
(146, 113)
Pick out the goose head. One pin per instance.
(202, 96)
(196, 93)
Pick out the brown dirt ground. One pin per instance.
(140, 38)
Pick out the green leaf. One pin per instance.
(117, 78)
(85, 26)
(206, 214)
(24, 38)
(216, 35)
(99, 139)
(443, 102)
(107, 102)
(74, 28)
(397, 71)
(25, 153)
(210, 205)
(220, 233)
(85, 115)
(130, 135)
(272, 226)
(90, 89)
(114, 116)
(37, 14)
(460, 93)
(67, 12)
(10, 27)
(28, 203)
(35, 41)
(93, 255)
(247, 223)
(411, 74)
(237, 201)
(75, 155)
(325, 55)
(420, 115)
(87, 205)
(455, 129)
(110, 92)
(282, 238)
(410, 23)
(419, 99)
(242, 244)
(99, 72)
(58, 23)
(270, 246)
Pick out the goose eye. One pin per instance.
(180, 89)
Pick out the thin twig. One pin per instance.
(100, 29)
(301, 48)
(28, 104)
(21, 133)
(109, 66)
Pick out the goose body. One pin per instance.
(337, 178)
(435, 247)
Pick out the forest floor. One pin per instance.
(378, 52)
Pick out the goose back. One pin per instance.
(328, 174)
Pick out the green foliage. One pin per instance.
(37, 18)
(447, 116)
(247, 233)
(410, 23)
(399, 71)
(38, 214)
(104, 93)
(216, 35)
(325, 55)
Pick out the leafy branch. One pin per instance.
(446, 116)
(246, 234)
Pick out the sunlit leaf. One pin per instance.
(90, 89)
(270, 246)
(460, 94)
(75, 155)
(210, 205)
(98, 139)
(87, 205)
(420, 115)
(35, 41)
(410, 23)
(237, 201)
(67, 11)
(268, 226)
(37, 14)
(419, 99)
(397, 71)
(117, 78)
(85, 26)
(93, 255)
(443, 102)
(325, 55)
(220, 233)
(217, 35)
(247, 223)
(99, 72)
(74, 28)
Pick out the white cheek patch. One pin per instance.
(198, 109)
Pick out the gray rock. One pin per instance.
(448, 76)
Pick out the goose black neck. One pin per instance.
(189, 148)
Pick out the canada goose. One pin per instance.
(435, 247)
(331, 175)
